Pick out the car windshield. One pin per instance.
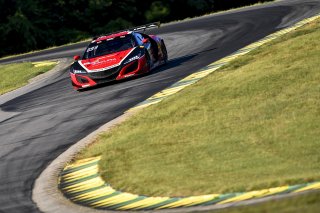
(109, 46)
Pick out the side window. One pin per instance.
(138, 38)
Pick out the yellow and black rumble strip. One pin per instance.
(44, 63)
(82, 184)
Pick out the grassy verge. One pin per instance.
(13, 76)
(305, 203)
(253, 124)
(49, 48)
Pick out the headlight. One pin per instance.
(133, 58)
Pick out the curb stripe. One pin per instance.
(220, 198)
(99, 198)
(80, 172)
(44, 63)
(117, 206)
(309, 187)
(143, 203)
(69, 183)
(112, 200)
(95, 193)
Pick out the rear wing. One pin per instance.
(146, 26)
(139, 28)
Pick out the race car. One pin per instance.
(118, 56)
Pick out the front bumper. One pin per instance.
(120, 72)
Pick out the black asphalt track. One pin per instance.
(47, 120)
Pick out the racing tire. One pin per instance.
(148, 61)
(78, 89)
(164, 52)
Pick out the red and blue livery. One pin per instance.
(118, 56)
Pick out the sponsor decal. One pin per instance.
(106, 68)
(92, 48)
(78, 71)
(82, 64)
(99, 61)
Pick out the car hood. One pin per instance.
(104, 62)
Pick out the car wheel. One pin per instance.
(75, 87)
(148, 61)
(164, 52)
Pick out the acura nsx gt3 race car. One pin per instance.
(118, 56)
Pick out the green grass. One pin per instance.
(13, 76)
(253, 124)
(48, 48)
(308, 203)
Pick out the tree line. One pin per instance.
(27, 25)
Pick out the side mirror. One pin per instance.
(145, 40)
(76, 57)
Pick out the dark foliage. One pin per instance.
(27, 25)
